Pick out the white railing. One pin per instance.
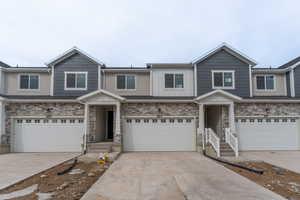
(232, 140)
(213, 139)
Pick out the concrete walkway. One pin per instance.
(15, 167)
(174, 176)
(286, 159)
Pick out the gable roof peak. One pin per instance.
(71, 52)
(230, 50)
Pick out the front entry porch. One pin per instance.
(102, 121)
(217, 122)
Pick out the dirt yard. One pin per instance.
(281, 181)
(67, 186)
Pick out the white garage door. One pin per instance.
(43, 135)
(268, 134)
(160, 134)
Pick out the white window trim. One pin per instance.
(116, 82)
(265, 90)
(28, 89)
(174, 88)
(223, 87)
(86, 80)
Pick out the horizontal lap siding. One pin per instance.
(297, 81)
(223, 61)
(76, 62)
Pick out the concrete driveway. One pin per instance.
(174, 176)
(286, 159)
(18, 166)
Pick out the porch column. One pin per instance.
(231, 117)
(117, 136)
(86, 124)
(201, 124)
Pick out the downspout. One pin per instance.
(292, 83)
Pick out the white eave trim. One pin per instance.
(211, 52)
(24, 69)
(126, 70)
(226, 94)
(73, 49)
(43, 100)
(100, 92)
(159, 101)
(270, 101)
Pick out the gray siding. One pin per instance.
(288, 87)
(222, 60)
(297, 81)
(76, 62)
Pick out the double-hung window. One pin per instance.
(125, 82)
(223, 79)
(174, 81)
(265, 82)
(75, 80)
(28, 81)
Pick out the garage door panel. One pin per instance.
(268, 134)
(48, 136)
(155, 135)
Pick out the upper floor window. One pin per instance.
(223, 79)
(265, 82)
(173, 80)
(125, 82)
(28, 81)
(75, 80)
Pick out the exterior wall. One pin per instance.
(297, 81)
(2, 82)
(38, 110)
(166, 109)
(280, 86)
(288, 86)
(267, 109)
(142, 83)
(76, 62)
(223, 61)
(158, 82)
(12, 84)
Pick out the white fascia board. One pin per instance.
(101, 91)
(227, 94)
(24, 69)
(270, 101)
(42, 100)
(61, 56)
(224, 44)
(126, 70)
(158, 101)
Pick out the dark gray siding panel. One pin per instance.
(76, 62)
(297, 81)
(222, 60)
(288, 89)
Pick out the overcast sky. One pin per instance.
(125, 32)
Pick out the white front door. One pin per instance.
(268, 134)
(43, 135)
(159, 134)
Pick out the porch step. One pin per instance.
(226, 150)
(99, 147)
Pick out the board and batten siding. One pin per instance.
(279, 90)
(297, 81)
(142, 83)
(158, 82)
(12, 83)
(76, 63)
(223, 60)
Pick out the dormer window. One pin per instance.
(75, 80)
(29, 81)
(265, 82)
(173, 80)
(222, 79)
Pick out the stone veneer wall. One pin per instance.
(166, 109)
(265, 109)
(38, 109)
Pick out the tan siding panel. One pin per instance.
(12, 82)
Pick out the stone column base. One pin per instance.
(4, 148)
